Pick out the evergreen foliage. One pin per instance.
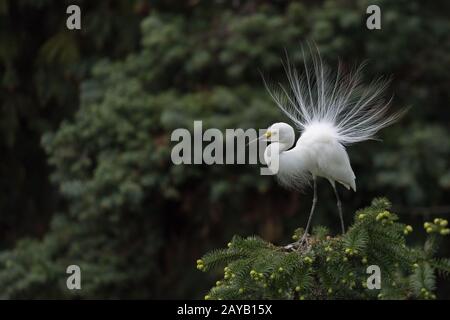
(42, 65)
(333, 267)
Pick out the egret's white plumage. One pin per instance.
(331, 110)
(317, 154)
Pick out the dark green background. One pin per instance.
(86, 117)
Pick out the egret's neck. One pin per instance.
(281, 147)
(284, 146)
(276, 147)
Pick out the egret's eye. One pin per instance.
(268, 134)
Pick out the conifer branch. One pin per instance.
(333, 267)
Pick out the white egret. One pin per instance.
(331, 110)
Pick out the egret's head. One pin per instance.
(280, 132)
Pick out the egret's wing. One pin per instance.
(334, 164)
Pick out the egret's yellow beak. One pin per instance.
(266, 135)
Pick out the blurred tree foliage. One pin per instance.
(129, 218)
(41, 67)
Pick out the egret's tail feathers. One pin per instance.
(352, 185)
(356, 112)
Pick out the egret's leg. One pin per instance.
(312, 209)
(339, 205)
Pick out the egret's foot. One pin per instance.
(290, 246)
(303, 244)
